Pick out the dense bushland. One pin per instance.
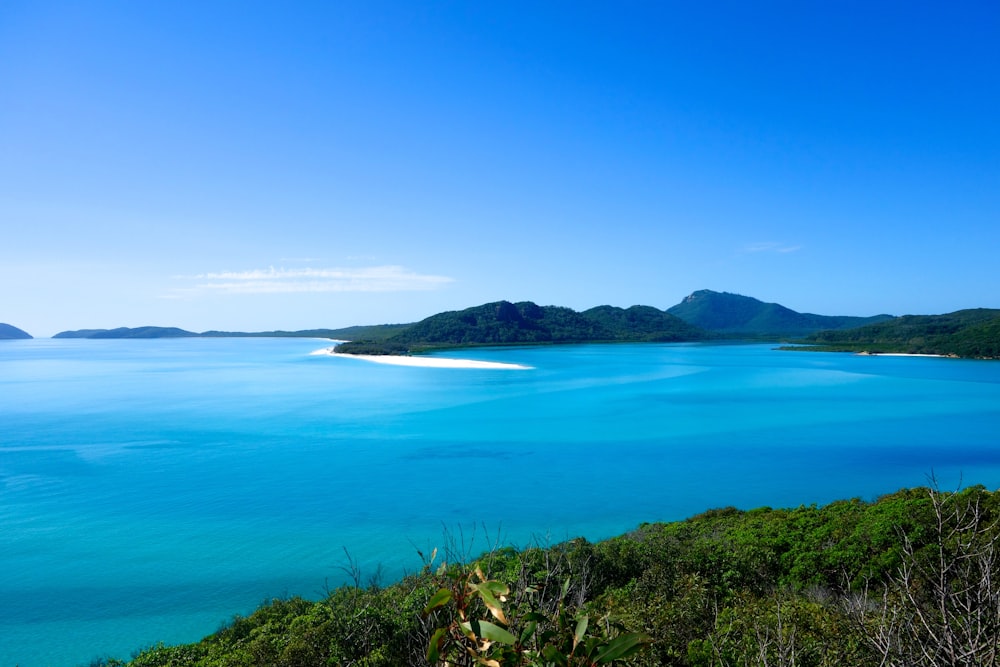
(911, 579)
(965, 333)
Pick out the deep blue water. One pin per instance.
(149, 490)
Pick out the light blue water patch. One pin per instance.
(149, 490)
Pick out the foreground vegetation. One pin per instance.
(911, 579)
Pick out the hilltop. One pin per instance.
(10, 332)
(736, 315)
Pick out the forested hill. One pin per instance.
(734, 314)
(10, 332)
(505, 323)
(963, 333)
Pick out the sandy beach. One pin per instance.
(899, 354)
(425, 362)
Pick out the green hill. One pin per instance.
(10, 332)
(506, 323)
(735, 315)
(963, 333)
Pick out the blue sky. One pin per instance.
(264, 165)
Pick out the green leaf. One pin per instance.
(434, 647)
(529, 630)
(581, 630)
(554, 656)
(495, 587)
(440, 598)
(622, 647)
(495, 633)
(491, 602)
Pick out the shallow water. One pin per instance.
(149, 490)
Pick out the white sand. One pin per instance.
(899, 354)
(425, 362)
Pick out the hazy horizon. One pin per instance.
(251, 167)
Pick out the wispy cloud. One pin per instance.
(286, 281)
(770, 247)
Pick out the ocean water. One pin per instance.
(149, 490)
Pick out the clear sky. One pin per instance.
(263, 165)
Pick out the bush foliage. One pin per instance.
(904, 580)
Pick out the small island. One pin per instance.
(10, 332)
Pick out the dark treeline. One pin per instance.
(965, 333)
(911, 579)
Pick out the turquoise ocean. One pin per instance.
(151, 489)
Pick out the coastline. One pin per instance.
(424, 362)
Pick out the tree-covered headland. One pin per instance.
(526, 323)
(973, 333)
(910, 579)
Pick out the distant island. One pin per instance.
(10, 332)
(704, 315)
(126, 332)
(376, 332)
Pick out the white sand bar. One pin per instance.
(899, 354)
(426, 362)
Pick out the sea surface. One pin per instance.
(151, 489)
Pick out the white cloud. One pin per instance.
(770, 247)
(287, 281)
